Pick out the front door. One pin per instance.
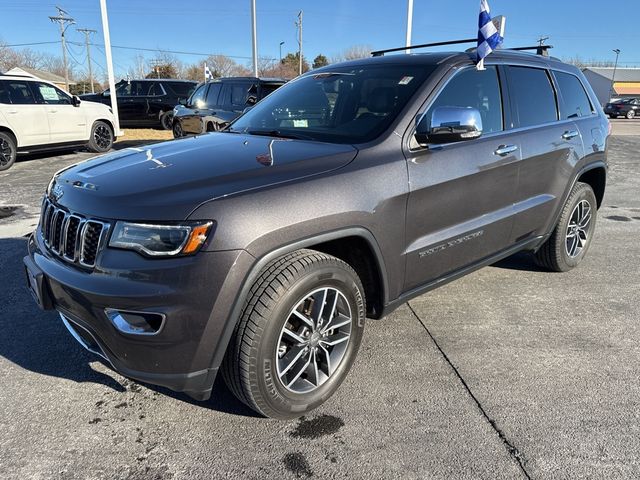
(461, 194)
(67, 123)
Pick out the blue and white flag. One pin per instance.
(207, 73)
(488, 36)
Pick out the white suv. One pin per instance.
(36, 115)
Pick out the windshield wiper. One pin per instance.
(279, 134)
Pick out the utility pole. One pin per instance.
(63, 20)
(613, 77)
(409, 25)
(281, 43)
(86, 32)
(299, 25)
(254, 45)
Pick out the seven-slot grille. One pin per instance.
(70, 236)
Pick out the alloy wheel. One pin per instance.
(578, 229)
(6, 152)
(102, 136)
(313, 340)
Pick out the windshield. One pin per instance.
(341, 105)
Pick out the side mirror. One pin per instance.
(252, 100)
(75, 101)
(448, 125)
(182, 101)
(106, 93)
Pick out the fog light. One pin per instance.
(135, 323)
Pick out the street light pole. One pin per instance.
(112, 81)
(613, 77)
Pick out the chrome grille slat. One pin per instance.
(70, 236)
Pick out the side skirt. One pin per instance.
(528, 244)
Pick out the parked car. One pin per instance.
(215, 104)
(260, 251)
(628, 108)
(36, 115)
(147, 102)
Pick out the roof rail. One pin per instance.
(540, 49)
(380, 53)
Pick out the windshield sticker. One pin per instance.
(300, 123)
(48, 93)
(405, 80)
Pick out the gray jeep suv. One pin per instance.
(260, 250)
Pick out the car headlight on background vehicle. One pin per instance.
(163, 240)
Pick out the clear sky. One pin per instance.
(587, 28)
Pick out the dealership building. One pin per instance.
(625, 85)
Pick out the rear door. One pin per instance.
(551, 147)
(67, 123)
(461, 194)
(24, 114)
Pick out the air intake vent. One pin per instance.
(70, 236)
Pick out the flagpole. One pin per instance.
(409, 25)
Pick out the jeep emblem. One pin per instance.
(57, 192)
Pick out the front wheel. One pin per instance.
(8, 151)
(569, 242)
(102, 137)
(298, 335)
(177, 129)
(166, 120)
(631, 114)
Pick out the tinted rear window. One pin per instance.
(575, 102)
(533, 96)
(182, 89)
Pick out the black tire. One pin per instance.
(102, 137)
(630, 114)
(251, 369)
(8, 150)
(559, 253)
(166, 120)
(177, 129)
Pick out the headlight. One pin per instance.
(161, 240)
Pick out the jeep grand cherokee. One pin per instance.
(260, 251)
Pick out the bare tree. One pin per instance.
(353, 53)
(223, 66)
(266, 66)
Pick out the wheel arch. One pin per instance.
(10, 132)
(334, 241)
(108, 122)
(596, 177)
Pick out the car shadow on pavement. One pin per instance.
(522, 261)
(37, 341)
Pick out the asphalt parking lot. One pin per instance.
(510, 372)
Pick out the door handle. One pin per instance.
(569, 134)
(53, 111)
(503, 150)
(13, 111)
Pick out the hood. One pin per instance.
(167, 181)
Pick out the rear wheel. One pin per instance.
(631, 114)
(166, 120)
(8, 150)
(298, 335)
(568, 243)
(102, 137)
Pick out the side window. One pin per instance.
(533, 95)
(267, 89)
(125, 89)
(575, 102)
(20, 93)
(477, 89)
(51, 95)
(4, 93)
(198, 96)
(239, 95)
(212, 94)
(151, 89)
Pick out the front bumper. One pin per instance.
(194, 294)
